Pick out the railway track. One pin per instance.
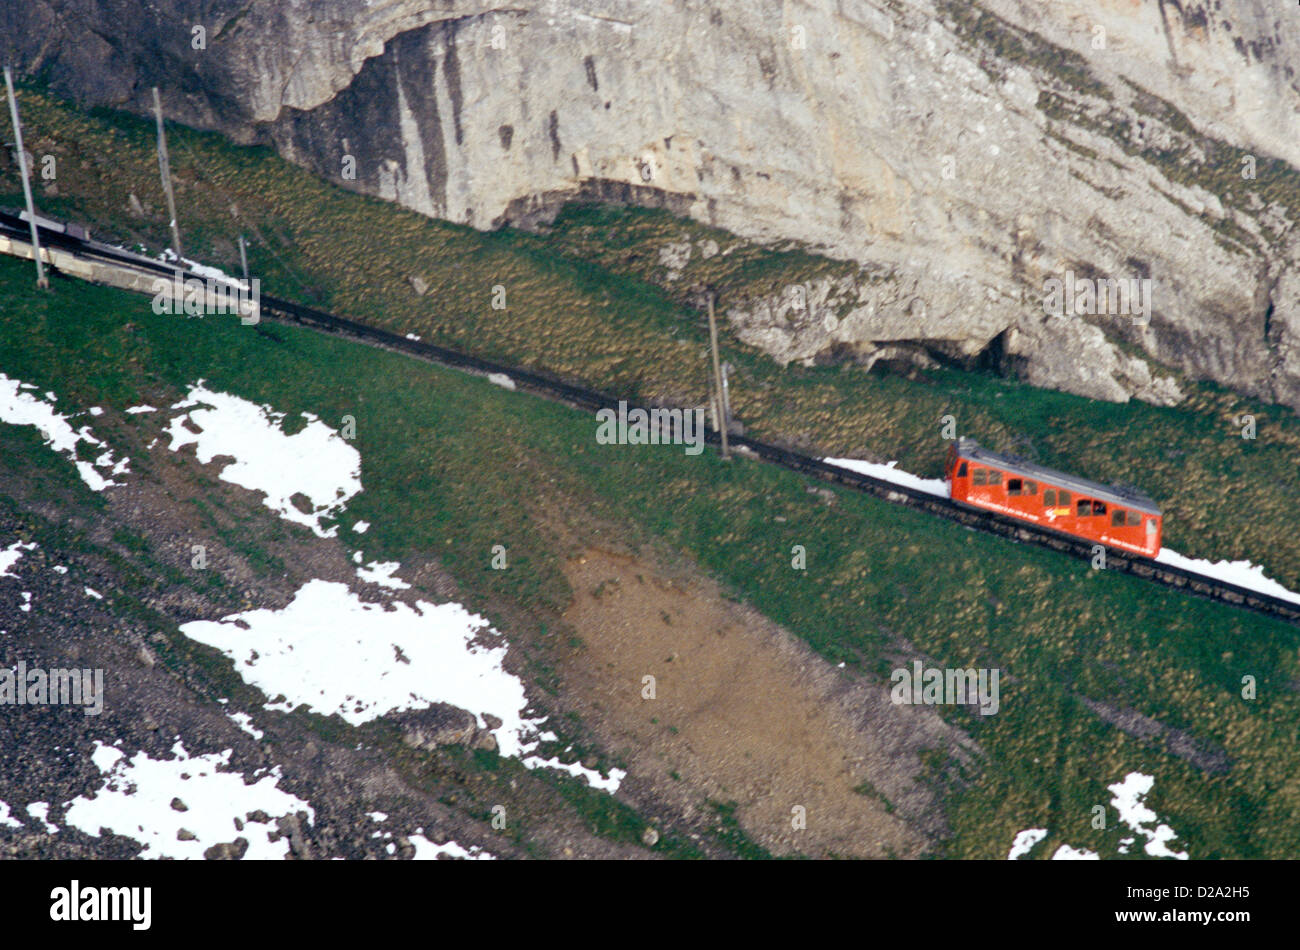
(591, 400)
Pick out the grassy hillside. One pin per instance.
(590, 300)
(453, 465)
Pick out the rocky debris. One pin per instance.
(178, 805)
(227, 851)
(650, 837)
(443, 725)
(420, 285)
(290, 826)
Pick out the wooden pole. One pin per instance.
(243, 256)
(41, 280)
(164, 168)
(717, 379)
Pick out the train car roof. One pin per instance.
(1126, 497)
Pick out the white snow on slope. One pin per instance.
(336, 654)
(426, 850)
(933, 486)
(168, 256)
(135, 802)
(19, 407)
(1128, 795)
(1241, 573)
(5, 820)
(1128, 801)
(1066, 853)
(383, 573)
(41, 812)
(315, 461)
(10, 556)
(1025, 842)
(245, 722)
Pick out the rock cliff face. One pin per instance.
(964, 152)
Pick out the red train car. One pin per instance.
(1118, 517)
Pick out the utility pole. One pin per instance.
(243, 257)
(164, 168)
(41, 280)
(717, 379)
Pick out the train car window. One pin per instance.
(1134, 519)
(995, 477)
(1083, 508)
(1098, 507)
(1117, 517)
(981, 476)
(961, 470)
(1049, 498)
(1015, 486)
(1063, 498)
(1031, 488)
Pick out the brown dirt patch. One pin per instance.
(743, 712)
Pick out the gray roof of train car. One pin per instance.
(1129, 497)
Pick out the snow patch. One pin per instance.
(314, 462)
(245, 722)
(381, 573)
(426, 850)
(1026, 842)
(337, 655)
(1241, 573)
(21, 408)
(1128, 801)
(932, 486)
(10, 556)
(41, 811)
(1066, 853)
(1128, 794)
(135, 801)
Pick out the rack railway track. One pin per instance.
(591, 400)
